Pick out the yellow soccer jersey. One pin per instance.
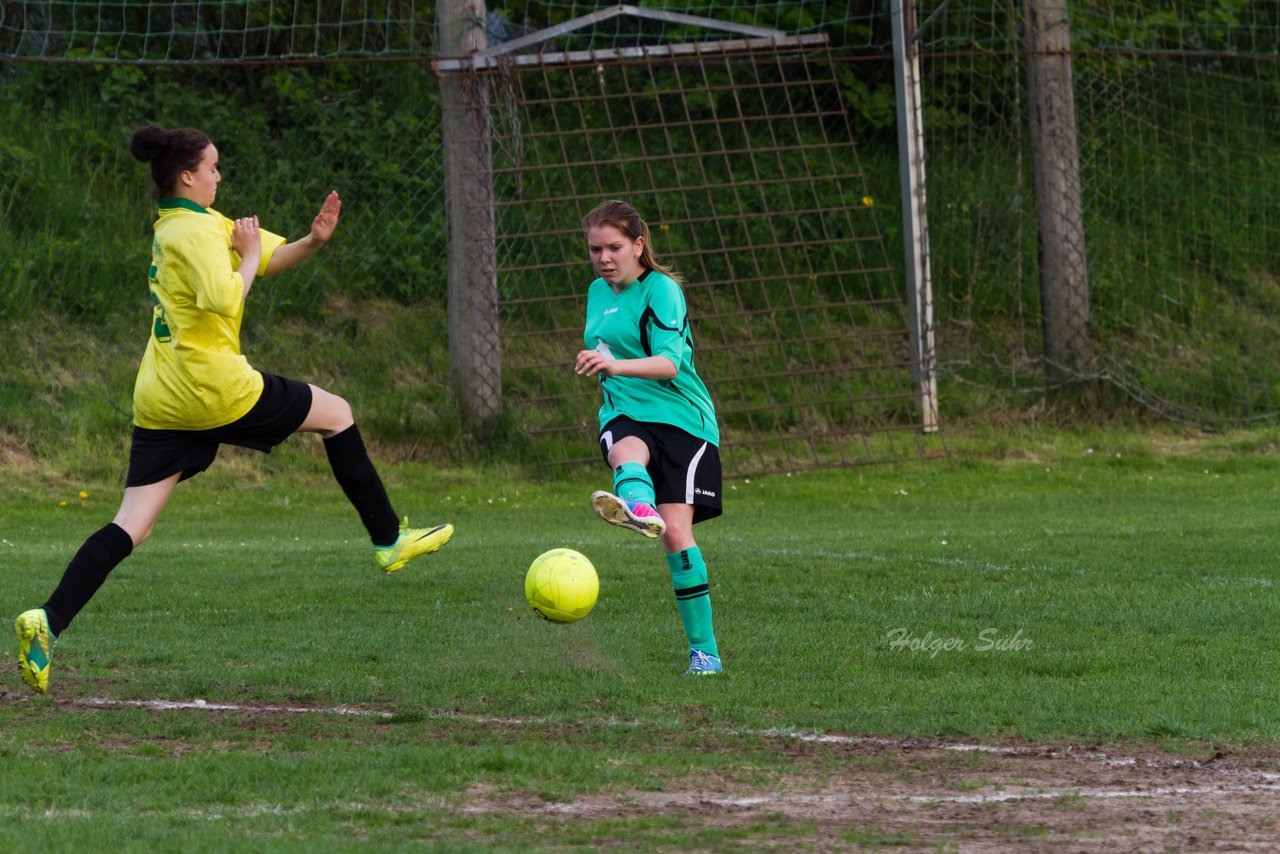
(193, 376)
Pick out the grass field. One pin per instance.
(1043, 640)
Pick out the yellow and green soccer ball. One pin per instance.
(561, 586)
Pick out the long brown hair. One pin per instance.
(170, 153)
(626, 219)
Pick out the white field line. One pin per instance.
(836, 801)
(652, 802)
(1091, 756)
(1155, 792)
(206, 706)
(1266, 781)
(871, 741)
(857, 740)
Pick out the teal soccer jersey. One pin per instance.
(649, 318)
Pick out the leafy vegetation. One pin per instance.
(1180, 225)
(75, 215)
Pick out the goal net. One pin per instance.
(740, 156)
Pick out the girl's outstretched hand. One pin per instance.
(327, 220)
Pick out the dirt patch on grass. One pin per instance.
(13, 453)
(842, 792)
(927, 796)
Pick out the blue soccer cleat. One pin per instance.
(703, 664)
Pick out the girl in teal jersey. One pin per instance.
(658, 427)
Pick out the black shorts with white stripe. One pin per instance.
(684, 468)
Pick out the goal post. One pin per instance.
(915, 227)
(736, 146)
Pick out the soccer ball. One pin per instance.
(561, 586)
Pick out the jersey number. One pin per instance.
(159, 327)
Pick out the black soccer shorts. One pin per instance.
(684, 469)
(157, 454)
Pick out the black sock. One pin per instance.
(358, 478)
(100, 554)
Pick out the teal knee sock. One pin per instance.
(693, 598)
(631, 482)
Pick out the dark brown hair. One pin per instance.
(170, 153)
(626, 219)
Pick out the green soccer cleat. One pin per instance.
(35, 648)
(411, 543)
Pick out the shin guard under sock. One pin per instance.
(359, 480)
(693, 598)
(631, 482)
(100, 554)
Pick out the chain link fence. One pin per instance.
(1166, 289)
(1162, 280)
(465, 192)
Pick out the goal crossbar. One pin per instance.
(481, 61)
(585, 21)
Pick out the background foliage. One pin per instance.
(1179, 145)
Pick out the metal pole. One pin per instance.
(1064, 275)
(475, 363)
(906, 71)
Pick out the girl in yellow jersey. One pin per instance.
(196, 391)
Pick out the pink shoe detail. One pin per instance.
(634, 515)
(641, 510)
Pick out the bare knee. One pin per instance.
(628, 450)
(342, 414)
(329, 414)
(139, 532)
(677, 539)
(141, 507)
(142, 536)
(671, 545)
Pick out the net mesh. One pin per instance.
(212, 31)
(1177, 142)
(742, 161)
(293, 30)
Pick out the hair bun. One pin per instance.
(148, 142)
